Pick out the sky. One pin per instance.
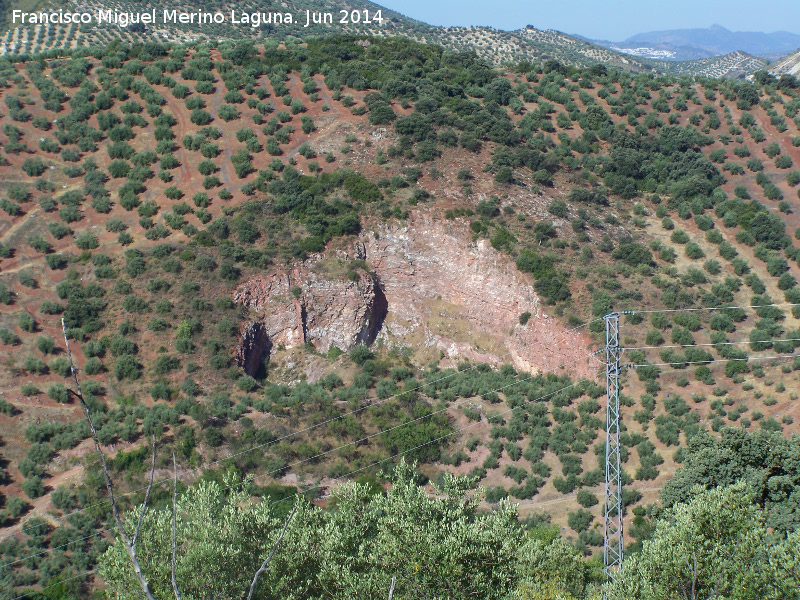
(613, 20)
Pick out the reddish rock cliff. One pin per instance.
(433, 289)
(446, 293)
(306, 307)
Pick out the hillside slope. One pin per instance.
(304, 263)
(788, 65)
(735, 65)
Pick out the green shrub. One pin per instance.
(587, 499)
(33, 487)
(654, 338)
(58, 392)
(25, 277)
(56, 261)
(165, 363)
(45, 344)
(87, 241)
(495, 494)
(580, 520)
(8, 337)
(694, 251)
(679, 237)
(127, 367)
(27, 323)
(93, 366)
(360, 354)
(755, 165)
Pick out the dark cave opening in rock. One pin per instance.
(380, 307)
(254, 348)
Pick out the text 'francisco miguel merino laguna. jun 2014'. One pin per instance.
(175, 17)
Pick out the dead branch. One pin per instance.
(391, 589)
(174, 520)
(109, 486)
(263, 566)
(146, 495)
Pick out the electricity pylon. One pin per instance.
(612, 525)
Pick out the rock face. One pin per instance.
(305, 306)
(433, 289)
(448, 294)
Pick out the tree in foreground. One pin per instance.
(766, 460)
(435, 547)
(714, 546)
(219, 538)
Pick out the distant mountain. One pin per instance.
(692, 44)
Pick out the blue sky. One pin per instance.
(612, 20)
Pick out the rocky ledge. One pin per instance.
(305, 306)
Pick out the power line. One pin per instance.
(460, 430)
(306, 429)
(27, 595)
(398, 454)
(309, 428)
(327, 421)
(772, 340)
(710, 308)
(448, 435)
(46, 550)
(463, 401)
(706, 362)
(252, 448)
(333, 450)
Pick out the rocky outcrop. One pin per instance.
(448, 294)
(439, 293)
(307, 306)
(254, 347)
(277, 308)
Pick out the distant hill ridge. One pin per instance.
(719, 40)
(788, 65)
(709, 42)
(493, 45)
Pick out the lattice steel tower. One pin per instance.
(612, 526)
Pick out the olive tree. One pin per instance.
(354, 551)
(710, 547)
